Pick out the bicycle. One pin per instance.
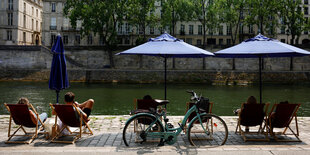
(148, 127)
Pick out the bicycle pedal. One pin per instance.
(161, 144)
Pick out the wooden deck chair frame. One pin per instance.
(33, 135)
(135, 103)
(260, 129)
(188, 107)
(75, 134)
(292, 117)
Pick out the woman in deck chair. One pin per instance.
(250, 100)
(34, 119)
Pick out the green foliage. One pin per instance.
(141, 13)
(174, 11)
(293, 18)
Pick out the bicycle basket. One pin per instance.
(203, 104)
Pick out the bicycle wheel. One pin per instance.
(215, 132)
(135, 134)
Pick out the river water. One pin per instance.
(117, 99)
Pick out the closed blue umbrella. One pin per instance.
(261, 47)
(58, 76)
(167, 46)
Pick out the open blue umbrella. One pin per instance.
(261, 47)
(167, 46)
(58, 76)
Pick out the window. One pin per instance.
(90, 39)
(191, 29)
(32, 24)
(24, 21)
(140, 29)
(221, 30)
(78, 39)
(10, 4)
(151, 31)
(65, 39)
(228, 30)
(182, 31)
(53, 7)
(221, 41)
(283, 40)
(37, 12)
(25, 8)
(306, 9)
(10, 19)
(24, 37)
(37, 26)
(53, 37)
(101, 40)
(53, 23)
(198, 42)
(9, 35)
(120, 28)
(228, 42)
(282, 29)
(251, 31)
(189, 40)
(127, 41)
(32, 12)
(199, 29)
(127, 28)
(306, 1)
(240, 28)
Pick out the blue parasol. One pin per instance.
(58, 76)
(261, 47)
(167, 46)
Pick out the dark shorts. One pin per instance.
(87, 111)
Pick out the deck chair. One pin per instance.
(208, 109)
(67, 115)
(252, 115)
(144, 105)
(21, 116)
(281, 116)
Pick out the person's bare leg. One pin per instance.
(87, 104)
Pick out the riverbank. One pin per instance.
(107, 138)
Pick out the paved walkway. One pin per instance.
(107, 138)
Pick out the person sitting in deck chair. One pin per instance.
(85, 108)
(34, 119)
(250, 100)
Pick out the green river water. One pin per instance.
(117, 99)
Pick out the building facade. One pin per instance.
(20, 22)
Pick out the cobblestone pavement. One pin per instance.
(108, 138)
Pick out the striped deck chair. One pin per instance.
(281, 116)
(68, 116)
(252, 115)
(21, 116)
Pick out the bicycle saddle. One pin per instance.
(161, 102)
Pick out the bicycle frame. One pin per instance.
(168, 132)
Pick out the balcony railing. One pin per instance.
(53, 27)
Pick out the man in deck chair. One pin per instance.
(85, 108)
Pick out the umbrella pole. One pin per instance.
(57, 96)
(260, 79)
(165, 78)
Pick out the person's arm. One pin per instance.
(33, 117)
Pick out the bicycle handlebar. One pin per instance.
(194, 95)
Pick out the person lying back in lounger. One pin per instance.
(34, 119)
(85, 108)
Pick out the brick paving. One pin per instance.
(108, 138)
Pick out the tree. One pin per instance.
(204, 12)
(174, 11)
(293, 18)
(142, 14)
(98, 17)
(264, 14)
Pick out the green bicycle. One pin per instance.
(204, 129)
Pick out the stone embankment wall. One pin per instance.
(92, 64)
